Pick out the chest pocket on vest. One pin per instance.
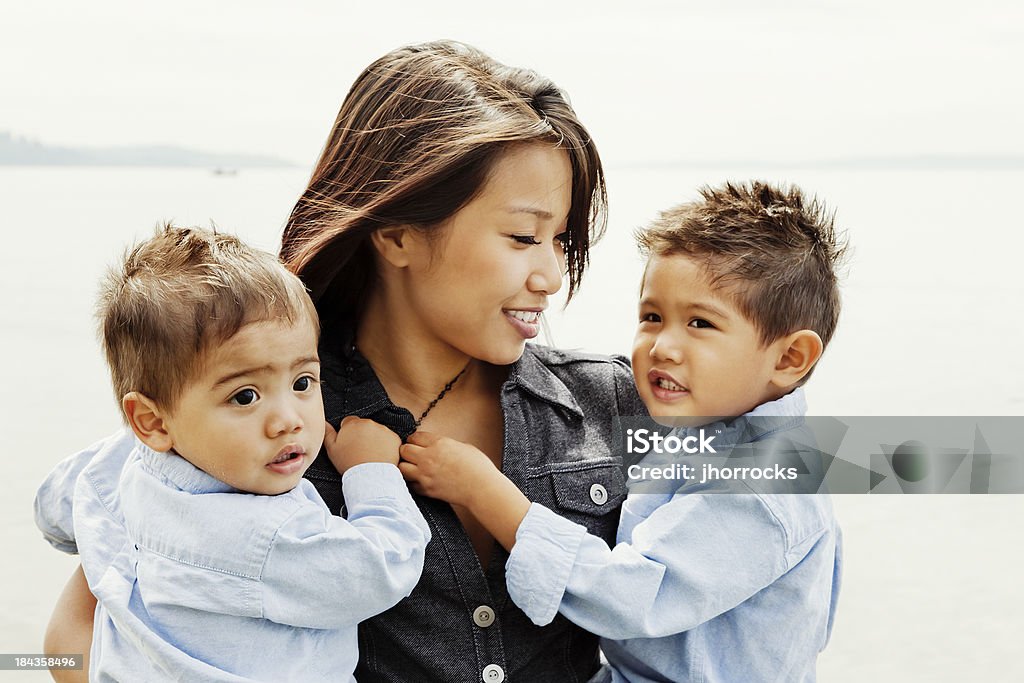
(589, 495)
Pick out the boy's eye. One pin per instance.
(650, 318)
(244, 397)
(701, 324)
(304, 383)
(525, 239)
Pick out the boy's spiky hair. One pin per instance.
(179, 293)
(775, 252)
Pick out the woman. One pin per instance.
(451, 197)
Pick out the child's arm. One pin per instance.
(461, 474)
(53, 502)
(694, 558)
(323, 571)
(70, 628)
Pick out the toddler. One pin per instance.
(210, 556)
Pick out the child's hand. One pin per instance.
(463, 475)
(360, 441)
(444, 468)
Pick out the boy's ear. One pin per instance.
(394, 243)
(798, 352)
(147, 421)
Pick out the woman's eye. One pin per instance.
(244, 397)
(304, 383)
(650, 318)
(525, 239)
(563, 238)
(701, 324)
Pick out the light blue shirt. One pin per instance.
(196, 581)
(710, 587)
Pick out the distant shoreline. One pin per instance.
(18, 151)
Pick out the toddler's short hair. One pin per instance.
(773, 251)
(178, 294)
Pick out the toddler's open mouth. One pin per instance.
(665, 387)
(288, 459)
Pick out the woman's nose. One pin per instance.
(548, 270)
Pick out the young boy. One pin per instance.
(209, 555)
(738, 301)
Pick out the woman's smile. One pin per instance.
(525, 321)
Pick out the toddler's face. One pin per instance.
(695, 354)
(254, 417)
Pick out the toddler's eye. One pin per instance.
(701, 324)
(525, 239)
(244, 397)
(650, 318)
(304, 383)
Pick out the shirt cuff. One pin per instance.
(69, 547)
(541, 561)
(374, 480)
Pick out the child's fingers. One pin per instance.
(422, 438)
(410, 452)
(330, 433)
(349, 419)
(409, 471)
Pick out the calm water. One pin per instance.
(931, 326)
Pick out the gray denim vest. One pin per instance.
(459, 625)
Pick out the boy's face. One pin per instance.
(695, 354)
(254, 417)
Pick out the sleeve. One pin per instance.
(691, 560)
(54, 499)
(323, 571)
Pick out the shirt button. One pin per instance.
(598, 494)
(493, 674)
(483, 616)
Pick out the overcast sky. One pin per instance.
(718, 79)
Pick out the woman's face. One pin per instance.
(479, 287)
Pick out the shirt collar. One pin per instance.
(349, 372)
(179, 472)
(536, 378)
(793, 404)
(761, 422)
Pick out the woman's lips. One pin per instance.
(528, 328)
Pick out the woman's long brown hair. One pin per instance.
(414, 142)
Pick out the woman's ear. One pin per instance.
(394, 244)
(146, 421)
(797, 354)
